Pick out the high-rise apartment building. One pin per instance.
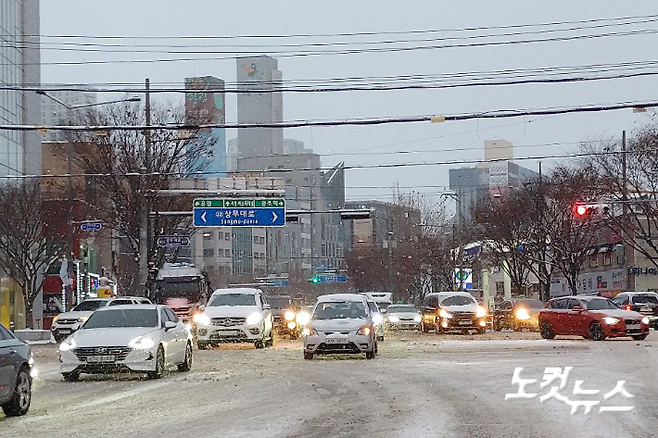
(259, 103)
(20, 152)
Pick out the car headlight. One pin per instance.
(418, 318)
(480, 313)
(645, 320)
(67, 344)
(303, 318)
(364, 331)
(141, 343)
(309, 331)
(610, 320)
(444, 314)
(377, 318)
(254, 318)
(83, 319)
(201, 319)
(55, 318)
(393, 319)
(291, 325)
(522, 314)
(289, 315)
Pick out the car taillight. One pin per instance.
(628, 307)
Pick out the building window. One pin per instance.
(593, 261)
(262, 240)
(227, 236)
(208, 252)
(256, 239)
(207, 235)
(607, 259)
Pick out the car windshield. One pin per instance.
(340, 310)
(89, 305)
(529, 304)
(600, 304)
(232, 299)
(645, 299)
(279, 302)
(123, 318)
(402, 309)
(457, 300)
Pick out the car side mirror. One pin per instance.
(170, 325)
(383, 310)
(267, 307)
(577, 308)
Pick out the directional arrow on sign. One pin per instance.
(274, 217)
(203, 216)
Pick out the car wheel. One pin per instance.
(270, 341)
(58, 338)
(159, 365)
(640, 337)
(545, 330)
(596, 332)
(22, 395)
(496, 326)
(187, 362)
(71, 377)
(370, 354)
(201, 345)
(482, 330)
(308, 356)
(259, 344)
(423, 328)
(517, 328)
(294, 336)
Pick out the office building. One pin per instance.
(258, 103)
(20, 151)
(493, 177)
(204, 105)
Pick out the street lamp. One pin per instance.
(69, 159)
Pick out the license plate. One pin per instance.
(645, 309)
(337, 341)
(228, 332)
(465, 322)
(65, 331)
(633, 327)
(100, 359)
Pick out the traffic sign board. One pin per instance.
(267, 212)
(173, 241)
(91, 226)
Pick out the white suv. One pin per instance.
(235, 315)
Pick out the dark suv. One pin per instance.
(284, 312)
(644, 302)
(452, 311)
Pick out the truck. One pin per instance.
(183, 287)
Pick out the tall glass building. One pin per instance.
(20, 152)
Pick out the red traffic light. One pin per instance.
(580, 210)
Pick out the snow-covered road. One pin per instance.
(421, 385)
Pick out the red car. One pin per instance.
(592, 317)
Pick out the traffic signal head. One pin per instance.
(315, 279)
(581, 210)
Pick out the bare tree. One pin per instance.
(629, 181)
(27, 249)
(129, 168)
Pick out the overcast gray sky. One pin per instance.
(629, 41)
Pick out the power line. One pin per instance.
(496, 114)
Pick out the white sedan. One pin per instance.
(135, 338)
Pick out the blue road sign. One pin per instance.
(173, 241)
(277, 282)
(330, 279)
(91, 226)
(239, 217)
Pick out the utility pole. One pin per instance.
(624, 211)
(144, 204)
